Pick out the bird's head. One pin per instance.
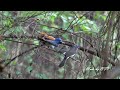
(58, 40)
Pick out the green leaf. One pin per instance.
(118, 45)
(85, 28)
(18, 72)
(44, 76)
(36, 42)
(76, 28)
(2, 47)
(18, 29)
(38, 75)
(45, 28)
(14, 62)
(7, 22)
(30, 68)
(97, 15)
(103, 17)
(64, 19)
(90, 22)
(30, 60)
(6, 13)
(52, 18)
(61, 70)
(41, 76)
(65, 36)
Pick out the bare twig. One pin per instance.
(20, 55)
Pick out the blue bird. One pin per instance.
(55, 42)
(72, 51)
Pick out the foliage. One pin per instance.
(88, 29)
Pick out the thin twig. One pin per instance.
(21, 42)
(70, 24)
(20, 55)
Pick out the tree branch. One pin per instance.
(65, 43)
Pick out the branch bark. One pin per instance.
(65, 43)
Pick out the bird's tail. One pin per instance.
(63, 62)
